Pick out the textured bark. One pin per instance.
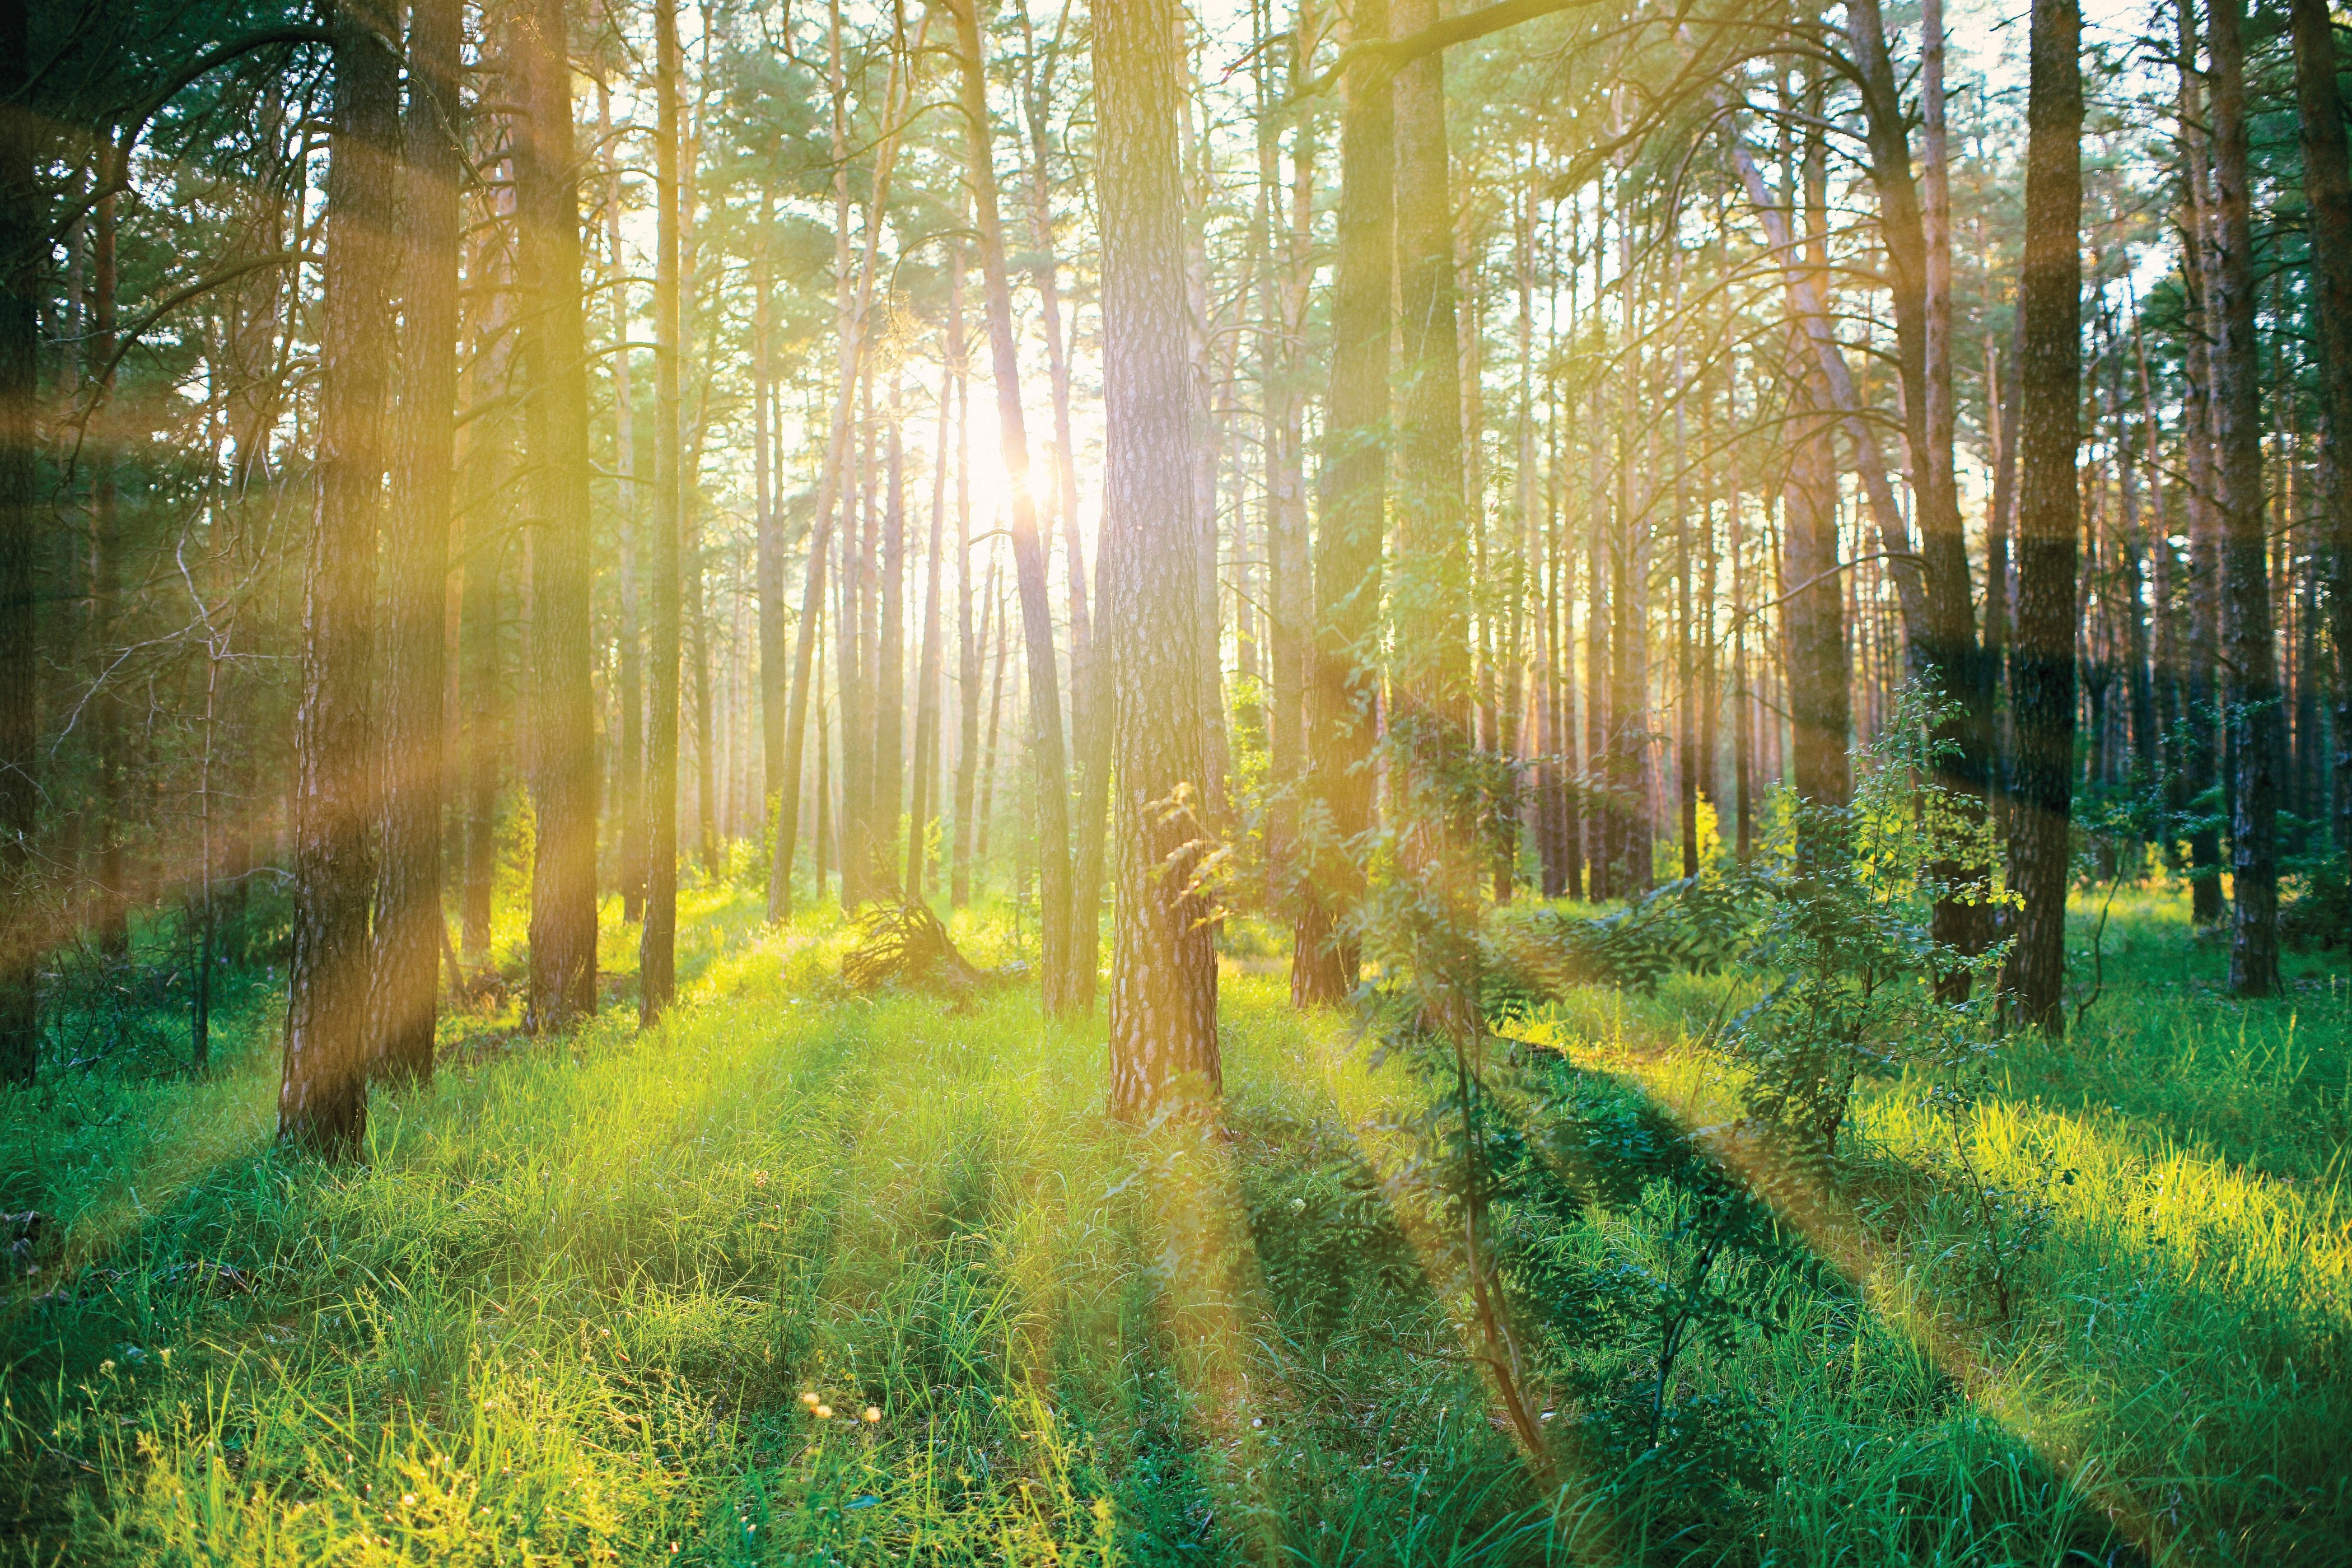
(2042, 678)
(1163, 1001)
(972, 637)
(408, 929)
(562, 754)
(889, 688)
(1037, 95)
(1627, 763)
(987, 811)
(322, 1094)
(1915, 223)
(2139, 681)
(922, 802)
(481, 681)
(2327, 187)
(1289, 578)
(774, 682)
(1429, 588)
(847, 322)
(1343, 680)
(21, 238)
(2256, 741)
(853, 640)
(1048, 756)
(1602, 820)
(658, 940)
(630, 675)
(2200, 760)
(1743, 711)
(1814, 631)
(111, 912)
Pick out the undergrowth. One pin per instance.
(631, 1298)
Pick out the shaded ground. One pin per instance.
(575, 1304)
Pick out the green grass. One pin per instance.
(568, 1306)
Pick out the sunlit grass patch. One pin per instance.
(590, 1298)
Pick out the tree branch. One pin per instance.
(1388, 56)
(134, 121)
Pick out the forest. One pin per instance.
(1162, 782)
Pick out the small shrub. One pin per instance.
(1843, 950)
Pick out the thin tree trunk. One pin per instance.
(112, 910)
(1058, 981)
(995, 722)
(2043, 678)
(630, 684)
(408, 922)
(1915, 224)
(21, 288)
(2327, 187)
(1602, 816)
(889, 686)
(1343, 680)
(657, 941)
(2255, 736)
(846, 325)
(1432, 677)
(921, 794)
(322, 1094)
(1289, 579)
(774, 682)
(972, 640)
(1813, 627)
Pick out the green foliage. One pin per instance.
(2011, 1218)
(1691, 925)
(1842, 950)
(2317, 916)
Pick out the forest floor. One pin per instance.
(803, 1277)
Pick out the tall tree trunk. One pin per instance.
(1915, 223)
(971, 638)
(2327, 187)
(1289, 579)
(1603, 816)
(477, 654)
(1163, 1003)
(322, 1094)
(995, 725)
(409, 923)
(1343, 682)
(2042, 679)
(629, 694)
(773, 679)
(21, 237)
(2255, 730)
(2138, 682)
(804, 638)
(1058, 981)
(2201, 763)
(112, 910)
(1429, 588)
(1037, 96)
(1743, 711)
(853, 659)
(657, 941)
(922, 793)
(1629, 595)
(889, 688)
(1814, 634)
(563, 737)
